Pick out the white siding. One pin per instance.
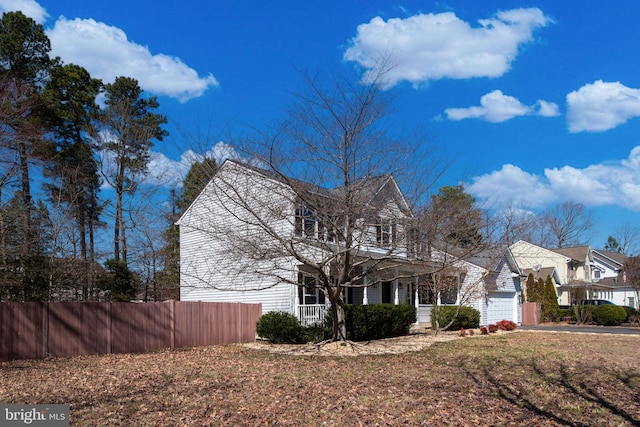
(503, 302)
(216, 231)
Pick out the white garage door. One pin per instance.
(500, 307)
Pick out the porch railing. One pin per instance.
(310, 314)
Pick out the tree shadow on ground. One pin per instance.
(565, 394)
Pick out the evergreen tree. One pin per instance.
(70, 96)
(460, 221)
(128, 127)
(549, 299)
(197, 178)
(612, 245)
(120, 283)
(534, 289)
(24, 66)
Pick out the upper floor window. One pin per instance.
(306, 222)
(385, 232)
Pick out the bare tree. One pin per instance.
(570, 223)
(627, 237)
(321, 193)
(632, 275)
(513, 224)
(453, 257)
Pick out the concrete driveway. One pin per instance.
(591, 329)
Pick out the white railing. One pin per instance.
(310, 314)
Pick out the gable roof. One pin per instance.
(576, 253)
(614, 257)
(543, 273)
(367, 190)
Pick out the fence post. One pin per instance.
(45, 329)
(172, 324)
(109, 333)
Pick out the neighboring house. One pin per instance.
(213, 268)
(608, 269)
(578, 277)
(578, 272)
(537, 260)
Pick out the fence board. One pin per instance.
(36, 330)
(25, 322)
(530, 313)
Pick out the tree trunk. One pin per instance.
(337, 314)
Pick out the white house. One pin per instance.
(248, 238)
(609, 275)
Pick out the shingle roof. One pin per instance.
(615, 256)
(577, 253)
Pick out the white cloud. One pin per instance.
(601, 106)
(106, 53)
(511, 186)
(496, 107)
(164, 171)
(30, 8)
(547, 109)
(596, 185)
(432, 46)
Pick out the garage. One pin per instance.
(500, 306)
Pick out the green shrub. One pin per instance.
(280, 327)
(630, 313)
(318, 332)
(467, 318)
(377, 321)
(608, 315)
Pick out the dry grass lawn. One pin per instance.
(516, 378)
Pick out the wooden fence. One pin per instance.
(31, 330)
(530, 313)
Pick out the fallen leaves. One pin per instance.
(516, 378)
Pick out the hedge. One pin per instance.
(468, 317)
(377, 321)
(608, 315)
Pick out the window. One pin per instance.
(308, 291)
(449, 296)
(445, 286)
(305, 222)
(385, 232)
(426, 295)
(596, 274)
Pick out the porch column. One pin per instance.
(365, 296)
(296, 304)
(396, 292)
(417, 296)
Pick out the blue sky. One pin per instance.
(538, 102)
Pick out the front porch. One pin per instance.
(311, 306)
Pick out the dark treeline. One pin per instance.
(54, 142)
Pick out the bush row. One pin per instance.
(608, 315)
(377, 321)
(363, 322)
